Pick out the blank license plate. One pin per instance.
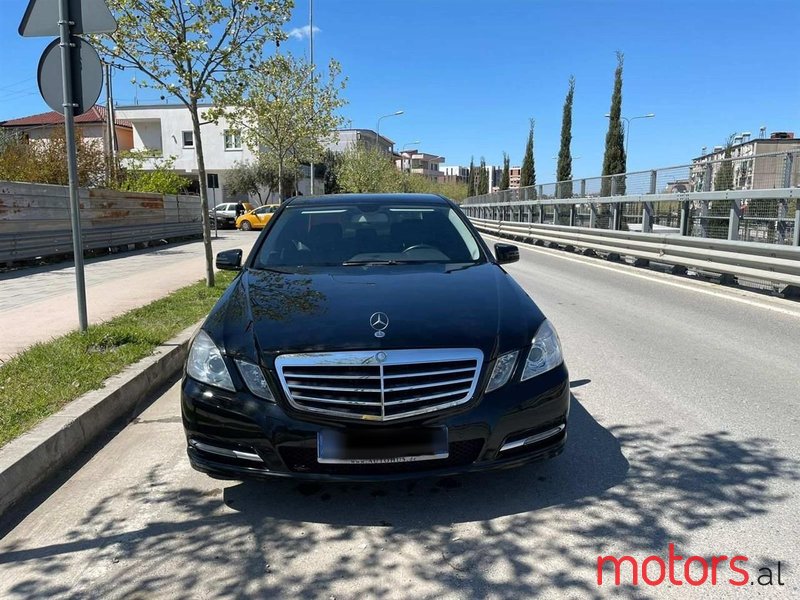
(378, 447)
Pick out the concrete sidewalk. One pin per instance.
(41, 303)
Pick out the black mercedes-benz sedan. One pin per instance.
(372, 337)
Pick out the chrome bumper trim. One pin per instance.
(533, 438)
(225, 451)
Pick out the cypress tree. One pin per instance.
(614, 160)
(564, 169)
(472, 188)
(527, 174)
(483, 178)
(505, 180)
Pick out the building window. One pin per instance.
(188, 139)
(233, 140)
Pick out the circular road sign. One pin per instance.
(87, 76)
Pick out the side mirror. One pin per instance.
(506, 253)
(230, 260)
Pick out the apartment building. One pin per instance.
(346, 138)
(751, 169)
(453, 174)
(514, 177)
(420, 163)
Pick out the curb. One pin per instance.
(38, 454)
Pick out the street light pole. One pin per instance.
(628, 128)
(378, 126)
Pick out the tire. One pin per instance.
(246, 226)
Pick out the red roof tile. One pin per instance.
(96, 114)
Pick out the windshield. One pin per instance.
(350, 235)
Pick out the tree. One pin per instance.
(564, 168)
(527, 174)
(420, 184)
(160, 178)
(250, 178)
(483, 178)
(505, 180)
(331, 162)
(193, 50)
(723, 179)
(365, 168)
(472, 187)
(45, 160)
(614, 159)
(289, 111)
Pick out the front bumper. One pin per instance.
(234, 435)
(223, 221)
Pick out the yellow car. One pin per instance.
(257, 218)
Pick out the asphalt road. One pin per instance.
(39, 303)
(684, 429)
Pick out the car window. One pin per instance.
(262, 210)
(309, 236)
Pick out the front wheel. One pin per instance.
(246, 226)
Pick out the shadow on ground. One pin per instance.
(525, 533)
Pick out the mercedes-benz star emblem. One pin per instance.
(379, 321)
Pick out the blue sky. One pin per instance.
(469, 74)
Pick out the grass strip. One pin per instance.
(40, 380)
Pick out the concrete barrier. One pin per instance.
(37, 455)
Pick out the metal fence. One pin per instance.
(35, 221)
(749, 198)
(733, 259)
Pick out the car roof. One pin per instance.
(368, 198)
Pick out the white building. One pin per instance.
(455, 173)
(166, 131)
(420, 163)
(347, 138)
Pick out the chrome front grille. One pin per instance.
(379, 385)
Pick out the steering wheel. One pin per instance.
(419, 247)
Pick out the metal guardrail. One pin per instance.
(35, 223)
(770, 262)
(751, 198)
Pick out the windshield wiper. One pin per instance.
(282, 271)
(361, 263)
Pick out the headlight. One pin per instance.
(254, 379)
(503, 368)
(545, 353)
(205, 363)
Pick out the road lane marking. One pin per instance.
(624, 269)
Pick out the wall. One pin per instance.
(35, 219)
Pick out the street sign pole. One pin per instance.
(72, 160)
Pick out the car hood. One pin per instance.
(266, 313)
